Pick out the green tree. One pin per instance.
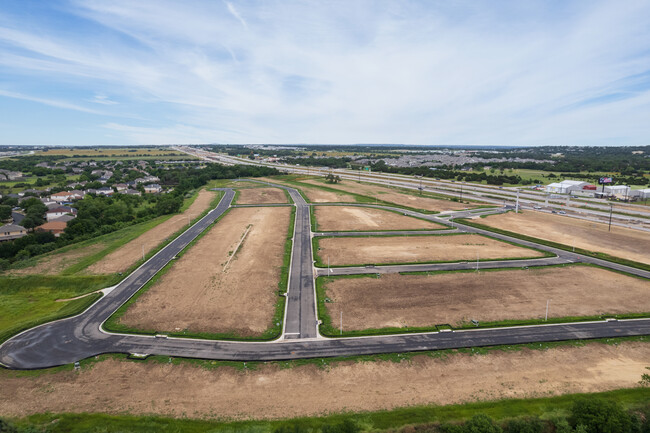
(5, 212)
(645, 378)
(600, 416)
(332, 178)
(481, 423)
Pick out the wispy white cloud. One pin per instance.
(236, 14)
(51, 102)
(522, 73)
(103, 100)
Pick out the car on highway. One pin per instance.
(537, 207)
(562, 212)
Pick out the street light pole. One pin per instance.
(546, 317)
(610, 217)
(143, 252)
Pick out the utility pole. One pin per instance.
(546, 317)
(328, 266)
(517, 204)
(611, 207)
(143, 252)
(341, 333)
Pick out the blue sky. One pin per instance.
(449, 72)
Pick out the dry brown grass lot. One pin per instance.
(354, 218)
(620, 242)
(410, 249)
(425, 300)
(395, 196)
(56, 262)
(140, 388)
(128, 254)
(261, 196)
(198, 295)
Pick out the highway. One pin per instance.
(82, 336)
(632, 216)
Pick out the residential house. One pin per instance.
(132, 192)
(56, 227)
(65, 218)
(9, 232)
(57, 212)
(153, 188)
(121, 187)
(10, 175)
(105, 190)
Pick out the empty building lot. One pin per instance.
(458, 297)
(221, 284)
(413, 249)
(393, 195)
(619, 242)
(261, 196)
(354, 218)
(270, 391)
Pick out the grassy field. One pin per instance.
(546, 408)
(113, 153)
(28, 301)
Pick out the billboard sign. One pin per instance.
(604, 180)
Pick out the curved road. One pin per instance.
(82, 336)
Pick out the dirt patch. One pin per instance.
(620, 242)
(317, 195)
(408, 249)
(261, 196)
(139, 388)
(55, 263)
(125, 256)
(395, 196)
(425, 300)
(196, 294)
(354, 218)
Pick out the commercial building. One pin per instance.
(566, 186)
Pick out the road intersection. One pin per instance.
(69, 340)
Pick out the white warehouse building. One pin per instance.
(618, 190)
(566, 186)
(641, 193)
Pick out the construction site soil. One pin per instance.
(261, 196)
(411, 249)
(270, 391)
(458, 297)
(222, 284)
(353, 218)
(620, 242)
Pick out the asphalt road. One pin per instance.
(72, 339)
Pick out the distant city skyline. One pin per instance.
(435, 73)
